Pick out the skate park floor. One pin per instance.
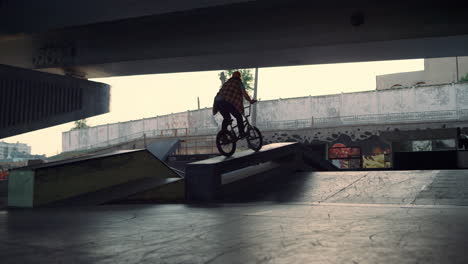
(306, 217)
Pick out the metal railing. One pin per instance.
(320, 122)
(136, 136)
(390, 118)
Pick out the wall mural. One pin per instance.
(374, 152)
(345, 157)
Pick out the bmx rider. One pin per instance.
(230, 101)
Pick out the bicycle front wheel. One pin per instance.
(226, 143)
(254, 139)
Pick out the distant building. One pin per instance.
(436, 71)
(13, 150)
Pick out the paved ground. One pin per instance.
(326, 217)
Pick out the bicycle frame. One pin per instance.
(229, 137)
(245, 120)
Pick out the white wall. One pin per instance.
(462, 66)
(381, 102)
(436, 71)
(440, 70)
(405, 79)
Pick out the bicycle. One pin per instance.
(226, 139)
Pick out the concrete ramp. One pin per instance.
(314, 160)
(162, 148)
(91, 180)
(219, 177)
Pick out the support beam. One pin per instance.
(245, 34)
(31, 100)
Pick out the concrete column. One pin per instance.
(379, 107)
(341, 105)
(254, 109)
(107, 129)
(454, 92)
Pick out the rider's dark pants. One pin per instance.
(227, 109)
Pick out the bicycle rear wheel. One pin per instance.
(226, 143)
(254, 138)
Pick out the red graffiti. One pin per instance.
(3, 175)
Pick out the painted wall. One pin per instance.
(405, 105)
(374, 141)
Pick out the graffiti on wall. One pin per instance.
(374, 152)
(345, 157)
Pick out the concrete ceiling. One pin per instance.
(123, 37)
(32, 16)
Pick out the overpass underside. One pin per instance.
(31, 100)
(86, 40)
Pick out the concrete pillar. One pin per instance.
(254, 107)
(107, 128)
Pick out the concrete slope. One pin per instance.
(151, 189)
(332, 217)
(162, 148)
(213, 178)
(420, 189)
(313, 159)
(89, 180)
(223, 177)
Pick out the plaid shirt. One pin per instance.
(232, 93)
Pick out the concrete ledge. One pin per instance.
(462, 159)
(204, 179)
(88, 180)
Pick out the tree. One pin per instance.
(247, 77)
(464, 78)
(80, 124)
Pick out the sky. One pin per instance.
(142, 96)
